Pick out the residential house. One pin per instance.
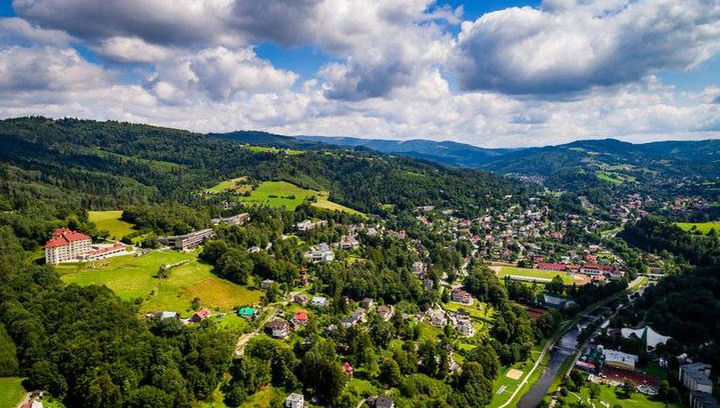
(200, 316)
(349, 242)
(279, 328)
(247, 312)
(320, 253)
(357, 316)
(436, 317)
(187, 241)
(266, 284)
(380, 401)
(461, 296)
(319, 301)
(348, 369)
(367, 303)
(66, 245)
(295, 400)
(167, 315)
(300, 318)
(465, 327)
(385, 312)
(307, 225)
(301, 299)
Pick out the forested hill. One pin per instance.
(90, 164)
(447, 153)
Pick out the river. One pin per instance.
(567, 344)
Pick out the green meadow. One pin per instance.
(110, 221)
(11, 391)
(703, 227)
(290, 196)
(607, 396)
(132, 278)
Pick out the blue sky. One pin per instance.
(547, 73)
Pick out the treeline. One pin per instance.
(88, 348)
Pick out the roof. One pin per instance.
(105, 249)
(548, 265)
(277, 324)
(246, 311)
(301, 315)
(647, 334)
(64, 236)
(295, 397)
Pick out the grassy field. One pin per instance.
(703, 227)
(607, 395)
(111, 222)
(290, 152)
(614, 178)
(288, 195)
(132, 278)
(540, 275)
(237, 185)
(11, 391)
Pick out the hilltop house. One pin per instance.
(66, 245)
(200, 316)
(385, 312)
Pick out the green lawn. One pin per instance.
(132, 278)
(607, 394)
(110, 221)
(540, 275)
(11, 391)
(703, 227)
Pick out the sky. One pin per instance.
(503, 73)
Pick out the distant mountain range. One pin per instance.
(574, 166)
(447, 153)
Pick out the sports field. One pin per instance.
(703, 227)
(132, 278)
(11, 391)
(540, 276)
(110, 221)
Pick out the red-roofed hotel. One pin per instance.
(66, 245)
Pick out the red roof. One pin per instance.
(599, 267)
(203, 313)
(301, 316)
(105, 249)
(349, 370)
(64, 236)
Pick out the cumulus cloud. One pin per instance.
(15, 30)
(133, 50)
(220, 73)
(47, 68)
(570, 46)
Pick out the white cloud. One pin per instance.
(15, 30)
(47, 69)
(133, 49)
(219, 73)
(569, 46)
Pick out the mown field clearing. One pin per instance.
(290, 196)
(265, 149)
(541, 276)
(110, 221)
(703, 227)
(132, 278)
(11, 391)
(236, 185)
